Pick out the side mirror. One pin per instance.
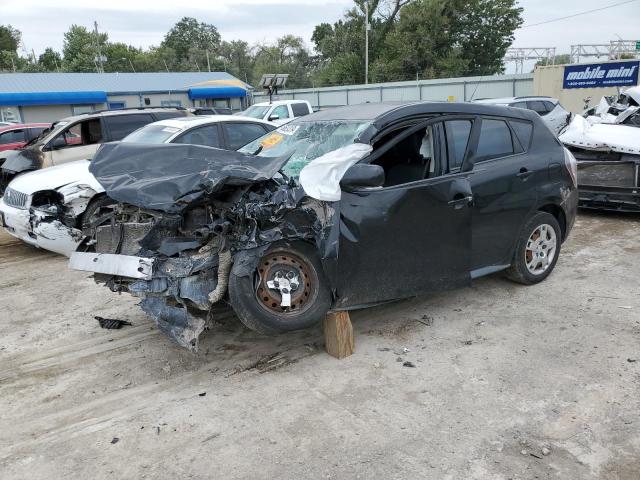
(56, 143)
(363, 175)
(274, 117)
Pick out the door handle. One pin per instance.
(460, 201)
(524, 173)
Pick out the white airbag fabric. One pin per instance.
(321, 177)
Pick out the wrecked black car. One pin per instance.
(342, 209)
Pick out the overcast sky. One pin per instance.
(144, 22)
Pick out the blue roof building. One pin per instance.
(43, 97)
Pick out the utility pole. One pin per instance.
(100, 59)
(367, 27)
(208, 64)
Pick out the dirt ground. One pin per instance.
(510, 382)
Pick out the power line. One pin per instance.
(579, 13)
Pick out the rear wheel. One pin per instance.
(537, 250)
(287, 291)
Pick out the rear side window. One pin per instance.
(239, 134)
(457, 133)
(299, 109)
(494, 141)
(519, 105)
(122, 125)
(550, 106)
(165, 115)
(35, 131)
(14, 136)
(537, 106)
(207, 136)
(522, 131)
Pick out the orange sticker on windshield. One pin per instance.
(272, 140)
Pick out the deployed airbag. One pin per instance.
(321, 178)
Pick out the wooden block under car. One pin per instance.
(338, 335)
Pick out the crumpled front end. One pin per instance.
(178, 264)
(48, 219)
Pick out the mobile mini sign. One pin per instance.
(616, 74)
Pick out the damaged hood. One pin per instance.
(16, 161)
(53, 178)
(170, 177)
(601, 136)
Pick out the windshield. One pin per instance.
(56, 127)
(307, 141)
(151, 134)
(256, 111)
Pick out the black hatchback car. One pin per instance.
(341, 209)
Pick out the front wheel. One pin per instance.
(537, 250)
(287, 291)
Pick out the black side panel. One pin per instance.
(401, 241)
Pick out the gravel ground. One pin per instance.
(510, 382)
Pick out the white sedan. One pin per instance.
(48, 208)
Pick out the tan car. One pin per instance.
(78, 138)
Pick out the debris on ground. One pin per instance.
(426, 320)
(111, 323)
(631, 360)
(202, 394)
(545, 451)
(114, 440)
(408, 364)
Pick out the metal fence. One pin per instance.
(446, 89)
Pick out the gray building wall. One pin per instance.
(44, 113)
(446, 89)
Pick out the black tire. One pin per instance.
(94, 208)
(518, 271)
(258, 307)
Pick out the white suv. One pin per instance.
(278, 112)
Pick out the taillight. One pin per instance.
(572, 166)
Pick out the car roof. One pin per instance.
(126, 111)
(277, 102)
(23, 125)
(507, 100)
(188, 122)
(386, 112)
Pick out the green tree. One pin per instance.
(50, 60)
(237, 59)
(288, 55)
(189, 34)
(9, 38)
(9, 42)
(80, 49)
(120, 57)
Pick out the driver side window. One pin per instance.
(411, 159)
(281, 111)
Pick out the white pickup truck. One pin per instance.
(278, 112)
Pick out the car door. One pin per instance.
(238, 134)
(12, 139)
(282, 112)
(503, 181)
(404, 239)
(76, 142)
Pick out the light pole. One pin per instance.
(367, 27)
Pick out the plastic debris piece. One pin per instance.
(111, 323)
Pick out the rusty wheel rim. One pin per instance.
(285, 262)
